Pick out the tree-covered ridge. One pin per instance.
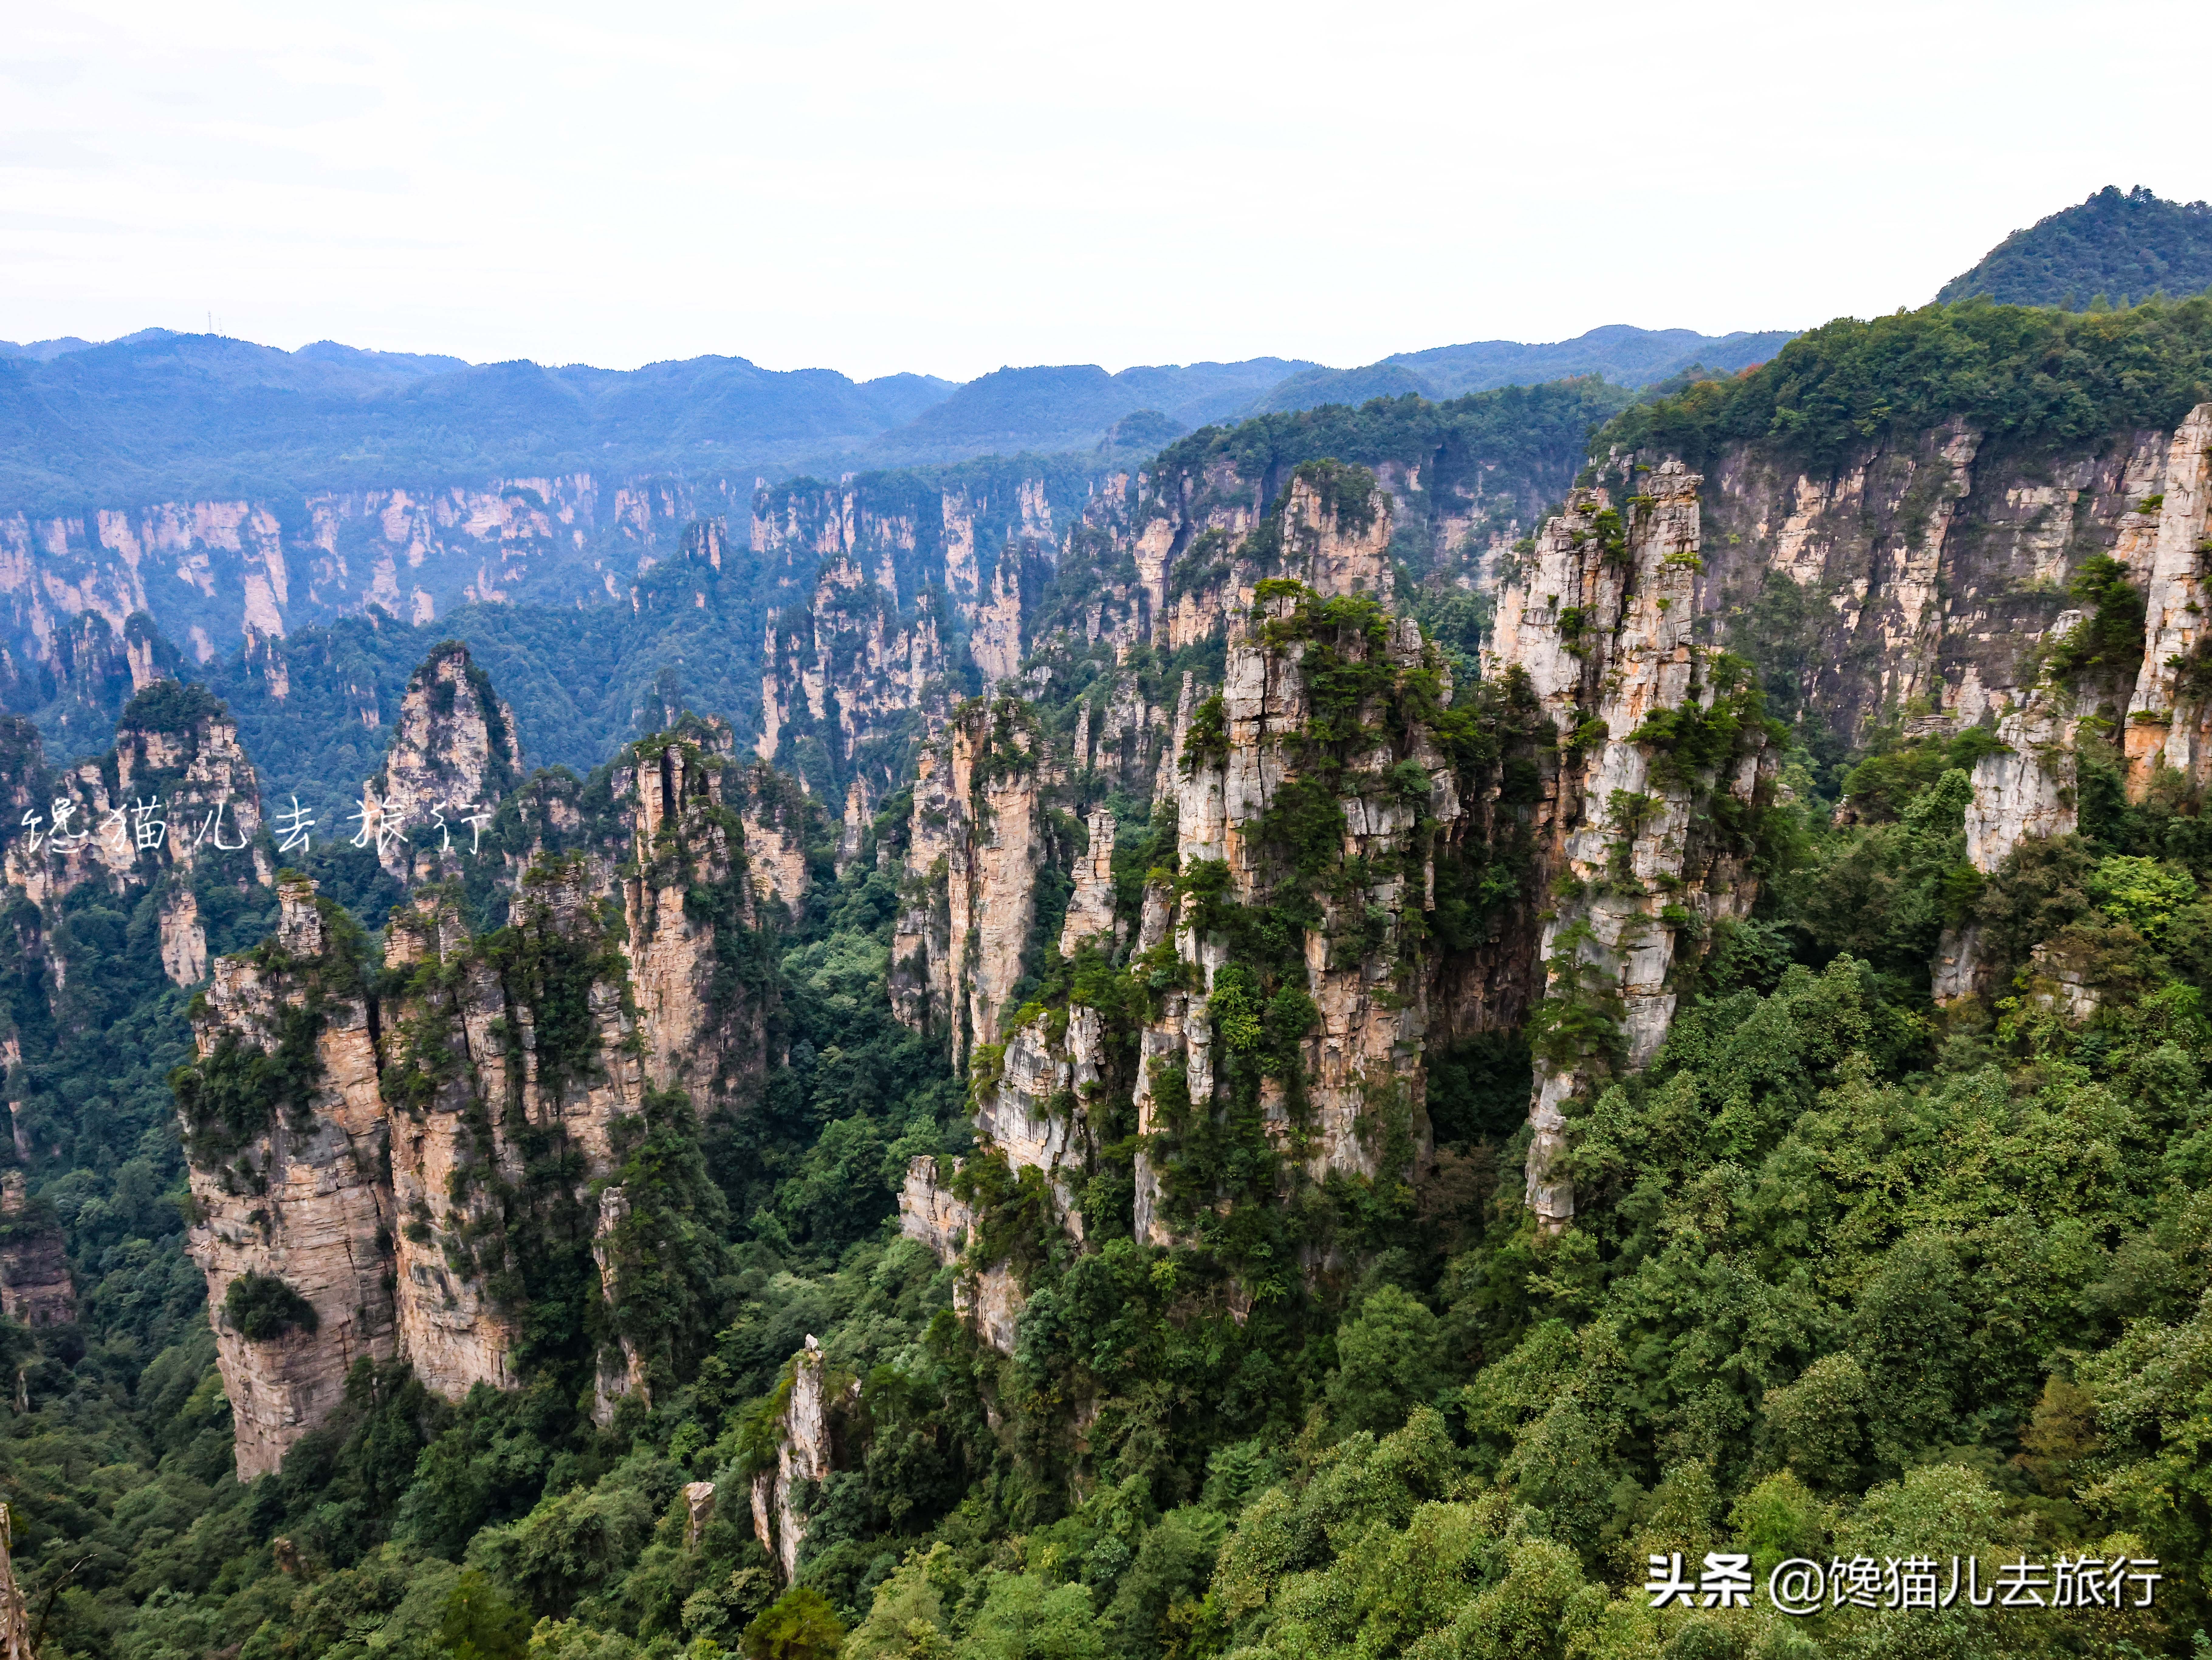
(2029, 378)
(2112, 248)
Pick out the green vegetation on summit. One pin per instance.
(2112, 248)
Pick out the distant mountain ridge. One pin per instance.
(1618, 353)
(2122, 247)
(164, 416)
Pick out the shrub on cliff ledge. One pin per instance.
(261, 1308)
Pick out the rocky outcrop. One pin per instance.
(15, 1615)
(491, 1080)
(36, 1287)
(694, 820)
(974, 850)
(1928, 571)
(455, 752)
(779, 819)
(698, 1510)
(989, 1299)
(212, 572)
(286, 1168)
(1651, 729)
(1090, 907)
(2026, 789)
(622, 1371)
(177, 795)
(803, 1456)
(842, 677)
(1360, 1068)
(2170, 715)
(451, 1147)
(1031, 1111)
(929, 1212)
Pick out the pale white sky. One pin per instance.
(952, 187)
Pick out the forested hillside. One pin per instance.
(1320, 1047)
(2113, 247)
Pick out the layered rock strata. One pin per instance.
(36, 1285)
(287, 1187)
(1650, 735)
(455, 752)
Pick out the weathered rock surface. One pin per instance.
(36, 1287)
(973, 854)
(989, 1299)
(298, 1197)
(1364, 1057)
(1600, 622)
(455, 752)
(803, 1453)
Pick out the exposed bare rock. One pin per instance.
(622, 1369)
(974, 850)
(177, 795)
(455, 752)
(450, 1150)
(777, 819)
(2057, 981)
(2169, 717)
(929, 1212)
(1090, 907)
(184, 941)
(296, 1197)
(2026, 789)
(803, 1453)
(1029, 1113)
(1363, 1054)
(1936, 567)
(989, 1299)
(1600, 622)
(991, 1302)
(36, 1287)
(849, 669)
(698, 1510)
(677, 785)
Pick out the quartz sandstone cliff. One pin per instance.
(1600, 621)
(455, 752)
(289, 1188)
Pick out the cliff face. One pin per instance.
(804, 1453)
(1658, 752)
(1308, 782)
(455, 753)
(974, 850)
(438, 1143)
(35, 1286)
(287, 1136)
(1289, 939)
(1922, 577)
(211, 573)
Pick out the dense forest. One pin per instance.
(2115, 247)
(1851, 1274)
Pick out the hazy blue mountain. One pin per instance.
(170, 416)
(43, 351)
(397, 365)
(1072, 406)
(2126, 247)
(1625, 355)
(160, 416)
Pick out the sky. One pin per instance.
(954, 187)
